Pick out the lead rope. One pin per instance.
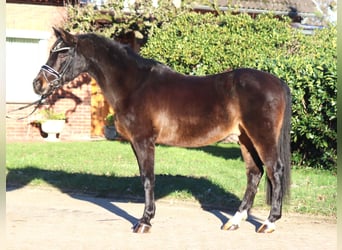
(38, 103)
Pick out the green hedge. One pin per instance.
(200, 44)
(111, 21)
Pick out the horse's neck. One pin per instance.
(115, 83)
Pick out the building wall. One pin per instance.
(34, 17)
(74, 99)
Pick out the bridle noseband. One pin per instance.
(56, 82)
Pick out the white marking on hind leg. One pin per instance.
(238, 217)
(234, 223)
(267, 227)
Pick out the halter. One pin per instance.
(56, 83)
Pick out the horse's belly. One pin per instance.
(195, 136)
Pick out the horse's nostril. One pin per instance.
(37, 85)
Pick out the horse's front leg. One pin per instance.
(144, 152)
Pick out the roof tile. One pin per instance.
(302, 6)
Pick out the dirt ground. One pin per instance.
(48, 219)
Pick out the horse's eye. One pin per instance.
(63, 54)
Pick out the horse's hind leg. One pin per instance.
(268, 154)
(254, 172)
(274, 170)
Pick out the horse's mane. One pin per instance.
(124, 52)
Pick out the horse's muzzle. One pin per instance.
(40, 86)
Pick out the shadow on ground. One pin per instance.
(122, 189)
(90, 187)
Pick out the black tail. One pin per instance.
(284, 150)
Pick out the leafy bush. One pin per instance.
(200, 44)
(113, 21)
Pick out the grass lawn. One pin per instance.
(212, 175)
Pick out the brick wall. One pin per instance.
(74, 100)
(18, 130)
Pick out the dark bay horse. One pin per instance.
(155, 104)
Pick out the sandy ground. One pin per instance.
(48, 219)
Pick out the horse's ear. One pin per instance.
(65, 36)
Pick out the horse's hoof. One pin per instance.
(234, 223)
(229, 226)
(266, 228)
(141, 228)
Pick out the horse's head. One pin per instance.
(63, 64)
